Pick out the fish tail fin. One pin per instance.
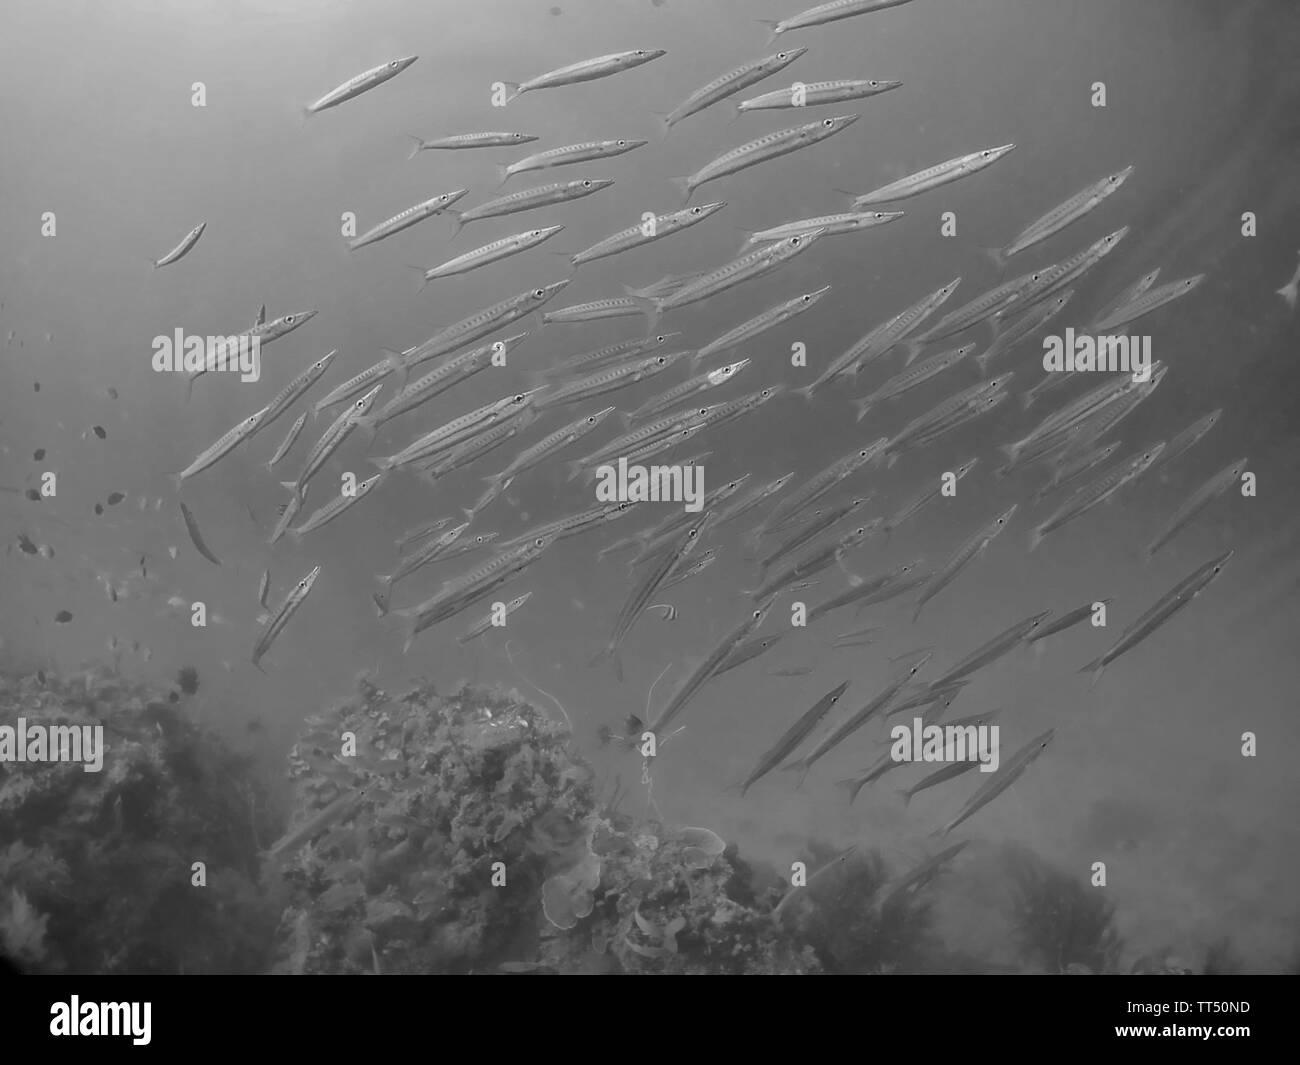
(911, 349)
(1012, 451)
(176, 480)
(1289, 293)
(397, 364)
(773, 32)
(573, 469)
(891, 459)
(806, 393)
(907, 795)
(852, 787)
(1035, 538)
(512, 90)
(1027, 399)
(502, 172)
(368, 427)
(663, 124)
(189, 388)
(648, 305)
(997, 256)
(304, 114)
(684, 189)
(863, 406)
(420, 143)
(917, 612)
(749, 235)
(457, 223)
(1094, 669)
(982, 361)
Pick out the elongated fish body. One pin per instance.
(1079, 409)
(335, 507)
(448, 374)
(912, 665)
(481, 323)
(793, 736)
(881, 339)
(939, 416)
(264, 588)
(916, 374)
(339, 810)
(924, 872)
(295, 389)
(575, 524)
(814, 93)
(760, 149)
(642, 233)
(704, 671)
(491, 253)
(606, 381)
(1037, 318)
(391, 363)
(227, 443)
(1063, 273)
(332, 439)
(455, 432)
(993, 649)
(183, 248)
(593, 311)
(831, 12)
(869, 586)
(821, 483)
(819, 560)
(490, 620)
(748, 650)
(870, 775)
(363, 82)
(1006, 775)
(976, 408)
(227, 349)
(648, 583)
(420, 532)
(730, 83)
(760, 323)
(405, 219)
(472, 449)
(1096, 426)
(462, 592)
(655, 540)
(914, 505)
(570, 154)
(463, 141)
(939, 776)
(1164, 608)
(682, 574)
(1097, 492)
(1071, 471)
(932, 177)
(1065, 621)
(551, 443)
(719, 414)
(844, 222)
(196, 536)
(753, 500)
(979, 309)
(1148, 302)
(530, 199)
(810, 532)
(1196, 502)
(745, 268)
(287, 515)
(622, 349)
(290, 438)
(1190, 436)
(630, 442)
(431, 550)
(962, 557)
(699, 383)
(1065, 213)
(586, 70)
(274, 625)
(1127, 295)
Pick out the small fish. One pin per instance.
(338, 810)
(962, 557)
(499, 249)
(291, 437)
(181, 250)
(1150, 301)
(98, 430)
(227, 443)
(793, 736)
(407, 218)
(462, 141)
(1096, 493)
(1186, 439)
(491, 620)
(1196, 502)
(778, 911)
(917, 878)
(1063, 214)
(355, 86)
(760, 149)
(586, 152)
(529, 200)
(196, 537)
(914, 505)
(634, 236)
(932, 177)
(330, 441)
(729, 84)
(1007, 774)
(914, 375)
(815, 93)
(479, 324)
(760, 323)
(586, 70)
(274, 624)
(993, 649)
(1289, 291)
(1065, 621)
(335, 507)
(828, 12)
(1165, 607)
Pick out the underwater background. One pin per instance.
(1146, 771)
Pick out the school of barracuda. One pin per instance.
(802, 532)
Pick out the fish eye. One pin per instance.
(302, 583)
(539, 541)
(795, 241)
(805, 299)
(640, 51)
(661, 360)
(782, 55)
(520, 398)
(620, 143)
(695, 210)
(586, 184)
(828, 122)
(873, 83)
(289, 319)
(393, 64)
(986, 154)
(757, 614)
(538, 293)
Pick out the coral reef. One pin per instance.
(96, 868)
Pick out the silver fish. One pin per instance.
(295, 389)
(695, 385)
(933, 176)
(481, 323)
(607, 381)
(273, 625)
(1190, 436)
(490, 620)
(1037, 318)
(355, 86)
(1148, 302)
(569, 154)
(183, 248)
(1096, 493)
(1006, 775)
(196, 537)
(331, 440)
(730, 83)
(916, 374)
(335, 507)
(760, 323)
(530, 199)
(874, 589)
(793, 736)
(910, 509)
(227, 443)
(1196, 502)
(962, 557)
(1064, 214)
(815, 93)
(462, 141)
(407, 218)
(494, 252)
(829, 12)
(646, 231)
(991, 650)
(844, 222)
(1065, 621)
(586, 70)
